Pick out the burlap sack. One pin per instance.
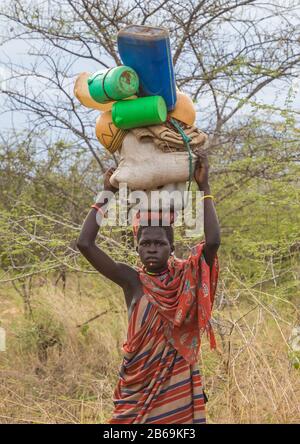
(144, 166)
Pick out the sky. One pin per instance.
(18, 52)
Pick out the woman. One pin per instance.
(169, 305)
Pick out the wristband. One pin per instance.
(208, 195)
(98, 209)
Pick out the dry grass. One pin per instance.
(248, 380)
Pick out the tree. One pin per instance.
(225, 54)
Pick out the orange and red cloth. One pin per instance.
(185, 301)
(160, 382)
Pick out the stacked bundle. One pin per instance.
(144, 116)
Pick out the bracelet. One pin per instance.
(208, 195)
(98, 209)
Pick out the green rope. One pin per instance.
(186, 139)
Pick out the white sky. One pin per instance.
(17, 51)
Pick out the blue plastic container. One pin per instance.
(147, 50)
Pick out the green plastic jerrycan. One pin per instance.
(113, 84)
(144, 111)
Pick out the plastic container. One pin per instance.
(113, 84)
(144, 111)
(81, 92)
(184, 110)
(108, 135)
(147, 50)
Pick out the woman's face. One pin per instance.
(154, 248)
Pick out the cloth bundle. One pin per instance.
(167, 139)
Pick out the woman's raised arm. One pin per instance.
(211, 222)
(115, 271)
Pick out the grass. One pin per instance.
(249, 379)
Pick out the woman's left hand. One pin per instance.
(201, 169)
(107, 185)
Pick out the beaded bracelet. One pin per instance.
(98, 209)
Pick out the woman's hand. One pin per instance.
(107, 185)
(201, 169)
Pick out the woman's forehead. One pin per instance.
(153, 233)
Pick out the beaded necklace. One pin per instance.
(155, 274)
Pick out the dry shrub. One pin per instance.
(249, 379)
(74, 382)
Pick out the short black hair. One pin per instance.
(168, 230)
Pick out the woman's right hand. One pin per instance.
(107, 185)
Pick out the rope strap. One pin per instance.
(186, 139)
(103, 87)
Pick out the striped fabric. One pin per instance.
(156, 385)
(159, 380)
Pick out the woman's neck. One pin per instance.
(155, 273)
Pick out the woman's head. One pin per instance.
(155, 244)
